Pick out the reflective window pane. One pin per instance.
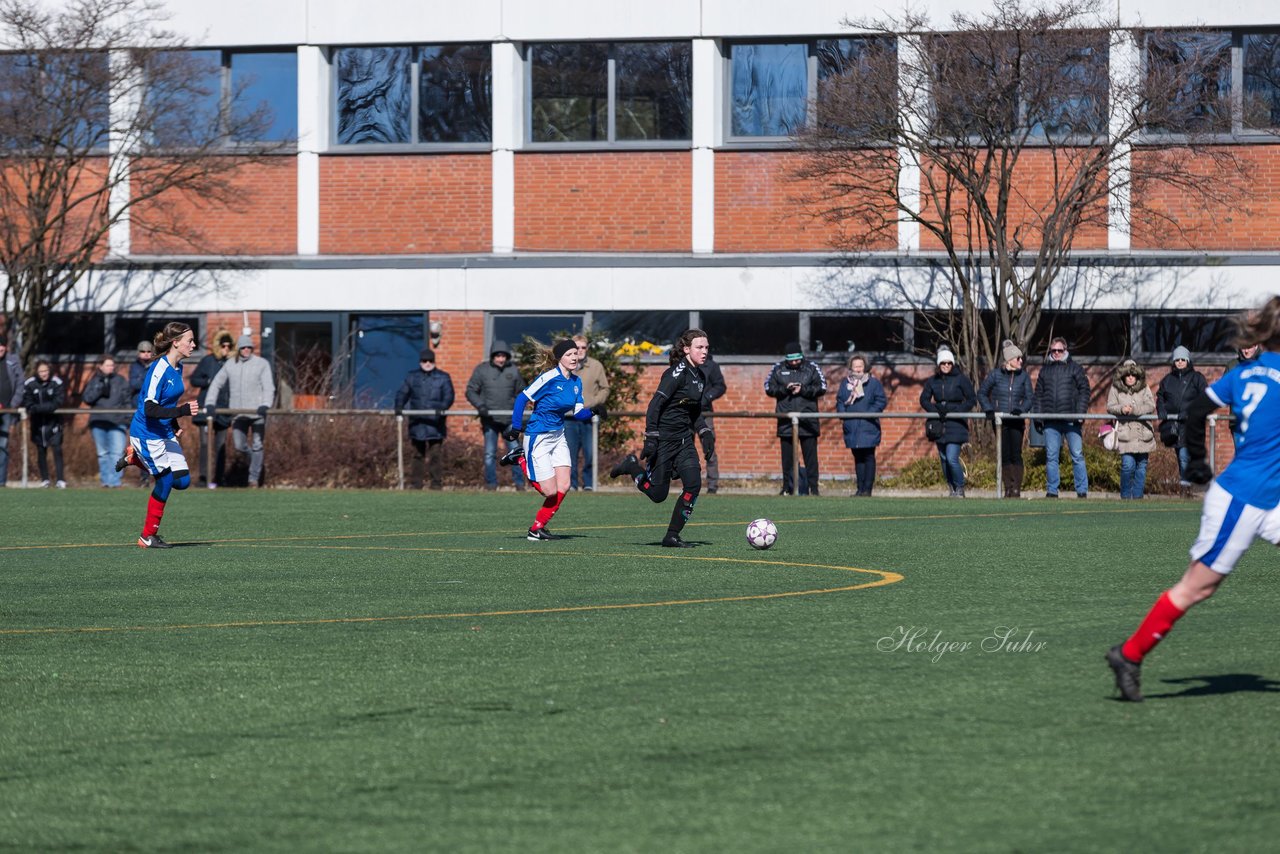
(264, 87)
(570, 92)
(1262, 80)
(1065, 92)
(770, 88)
(860, 75)
(513, 328)
(54, 96)
(751, 333)
(184, 94)
(846, 333)
(73, 333)
(455, 94)
(656, 327)
(1199, 334)
(654, 90)
(373, 94)
(1189, 76)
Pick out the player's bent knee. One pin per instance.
(181, 479)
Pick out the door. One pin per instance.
(385, 347)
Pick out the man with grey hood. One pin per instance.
(251, 386)
(1177, 390)
(493, 388)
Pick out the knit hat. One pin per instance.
(427, 355)
(945, 355)
(563, 347)
(1181, 352)
(145, 347)
(1009, 351)
(792, 351)
(245, 341)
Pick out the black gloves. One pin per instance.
(262, 411)
(941, 409)
(708, 444)
(1038, 424)
(511, 434)
(1015, 411)
(482, 411)
(1198, 471)
(210, 409)
(991, 415)
(600, 412)
(399, 411)
(650, 448)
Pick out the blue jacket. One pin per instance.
(861, 432)
(426, 390)
(1006, 391)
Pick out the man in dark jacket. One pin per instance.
(107, 389)
(11, 381)
(705, 426)
(1063, 388)
(493, 388)
(427, 388)
(1178, 388)
(797, 384)
(1244, 356)
(201, 378)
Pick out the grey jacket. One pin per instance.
(13, 367)
(249, 381)
(108, 392)
(491, 387)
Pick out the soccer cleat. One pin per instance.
(540, 534)
(1128, 675)
(153, 542)
(626, 465)
(511, 457)
(673, 541)
(128, 458)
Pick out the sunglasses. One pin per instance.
(1058, 350)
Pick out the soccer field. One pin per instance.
(388, 671)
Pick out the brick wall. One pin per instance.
(759, 207)
(19, 178)
(261, 218)
(406, 204)
(636, 201)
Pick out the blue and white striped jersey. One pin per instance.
(554, 397)
(163, 384)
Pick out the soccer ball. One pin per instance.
(761, 534)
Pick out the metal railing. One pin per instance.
(794, 417)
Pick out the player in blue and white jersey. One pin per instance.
(1240, 506)
(556, 394)
(153, 433)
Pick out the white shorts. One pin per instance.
(159, 455)
(543, 452)
(1228, 527)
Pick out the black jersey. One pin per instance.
(677, 403)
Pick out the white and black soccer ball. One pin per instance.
(761, 534)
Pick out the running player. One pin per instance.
(153, 433)
(668, 435)
(543, 455)
(1241, 505)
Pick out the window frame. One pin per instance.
(611, 142)
(415, 95)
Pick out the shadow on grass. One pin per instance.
(1226, 683)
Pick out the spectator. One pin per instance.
(493, 386)
(861, 392)
(1244, 356)
(1062, 388)
(11, 390)
(797, 384)
(201, 378)
(705, 427)
(250, 386)
(108, 390)
(42, 394)
(595, 393)
(1128, 400)
(948, 392)
(137, 375)
(1008, 389)
(1178, 388)
(427, 388)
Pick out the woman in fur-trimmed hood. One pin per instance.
(1129, 399)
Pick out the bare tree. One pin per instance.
(105, 120)
(1006, 139)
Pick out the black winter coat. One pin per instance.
(108, 391)
(1176, 391)
(1006, 391)
(426, 390)
(813, 385)
(948, 394)
(40, 399)
(1061, 387)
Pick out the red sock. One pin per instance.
(549, 507)
(1157, 624)
(155, 511)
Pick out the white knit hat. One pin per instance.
(945, 355)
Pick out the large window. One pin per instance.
(1261, 59)
(623, 92)
(1189, 80)
(543, 328)
(431, 94)
(1199, 333)
(198, 97)
(54, 98)
(751, 333)
(867, 333)
(661, 328)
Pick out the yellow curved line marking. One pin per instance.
(885, 578)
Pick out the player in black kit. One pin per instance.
(668, 434)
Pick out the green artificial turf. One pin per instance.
(297, 676)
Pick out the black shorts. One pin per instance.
(676, 457)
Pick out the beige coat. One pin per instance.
(1132, 437)
(595, 383)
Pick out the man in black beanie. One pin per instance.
(797, 384)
